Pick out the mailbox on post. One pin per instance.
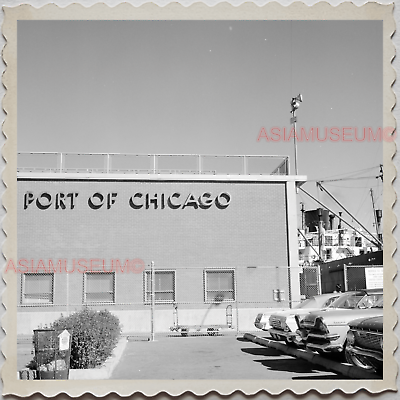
(52, 353)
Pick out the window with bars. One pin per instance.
(99, 287)
(328, 241)
(164, 286)
(219, 286)
(37, 288)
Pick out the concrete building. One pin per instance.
(223, 245)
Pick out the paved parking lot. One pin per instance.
(211, 357)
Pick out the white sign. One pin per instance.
(64, 338)
(374, 278)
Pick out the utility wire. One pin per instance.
(378, 244)
(350, 174)
(348, 212)
(349, 179)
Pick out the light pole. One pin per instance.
(320, 233)
(295, 104)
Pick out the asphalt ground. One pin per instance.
(211, 357)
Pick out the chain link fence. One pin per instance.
(153, 163)
(165, 299)
(226, 297)
(362, 277)
(204, 300)
(310, 281)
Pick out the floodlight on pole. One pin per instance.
(295, 104)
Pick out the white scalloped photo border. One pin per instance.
(221, 11)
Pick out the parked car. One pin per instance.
(316, 302)
(325, 331)
(283, 324)
(365, 343)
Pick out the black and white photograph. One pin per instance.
(201, 199)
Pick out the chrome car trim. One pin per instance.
(324, 347)
(282, 333)
(327, 336)
(260, 325)
(366, 353)
(366, 330)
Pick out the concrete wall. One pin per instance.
(250, 235)
(138, 321)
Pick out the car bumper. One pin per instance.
(328, 336)
(326, 348)
(358, 351)
(331, 342)
(292, 337)
(261, 325)
(284, 335)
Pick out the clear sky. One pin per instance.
(206, 87)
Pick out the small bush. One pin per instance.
(94, 336)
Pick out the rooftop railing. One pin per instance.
(117, 163)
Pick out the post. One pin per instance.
(320, 234)
(375, 214)
(319, 279)
(302, 216)
(67, 294)
(346, 284)
(152, 300)
(108, 163)
(61, 162)
(294, 141)
(236, 301)
(295, 103)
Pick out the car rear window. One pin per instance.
(348, 302)
(312, 302)
(330, 301)
(379, 303)
(370, 300)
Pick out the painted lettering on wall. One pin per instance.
(138, 201)
(45, 200)
(177, 200)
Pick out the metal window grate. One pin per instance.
(37, 288)
(164, 286)
(219, 286)
(99, 287)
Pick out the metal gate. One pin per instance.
(310, 281)
(362, 277)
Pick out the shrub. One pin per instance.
(94, 336)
